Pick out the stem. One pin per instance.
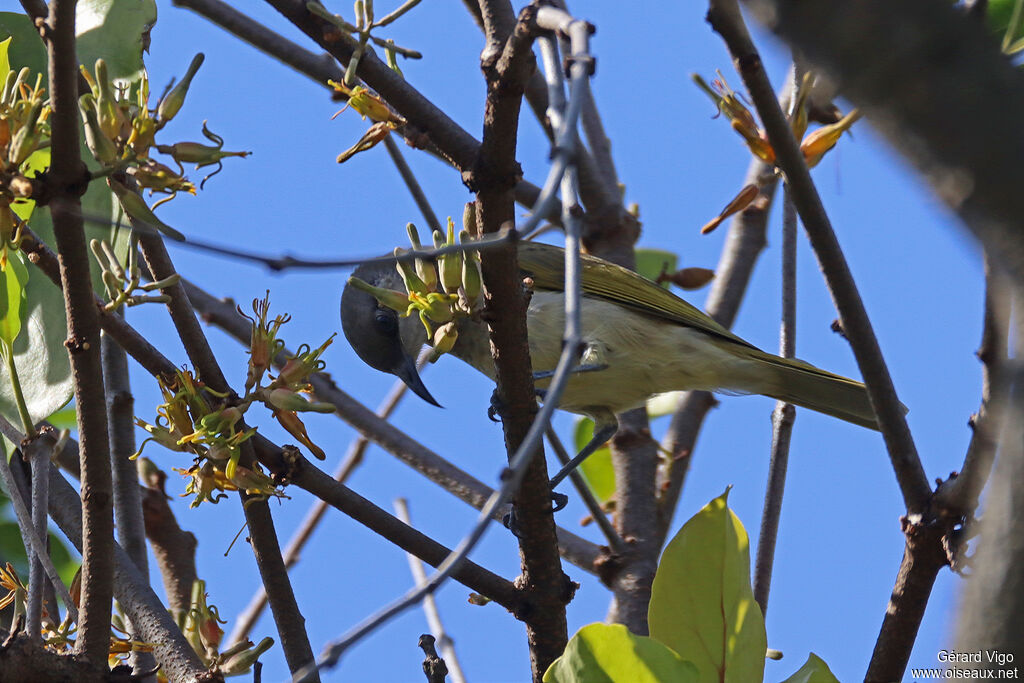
(19, 397)
(784, 414)
(66, 176)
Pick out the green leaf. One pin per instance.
(13, 279)
(26, 48)
(814, 670)
(597, 469)
(65, 418)
(651, 262)
(5, 63)
(609, 653)
(117, 31)
(702, 605)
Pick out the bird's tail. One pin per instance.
(806, 386)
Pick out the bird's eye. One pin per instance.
(385, 322)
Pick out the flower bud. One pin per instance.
(172, 103)
(396, 301)
(101, 146)
(136, 208)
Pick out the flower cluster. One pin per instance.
(814, 146)
(120, 132)
(440, 290)
(195, 419)
(201, 626)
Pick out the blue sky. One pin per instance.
(840, 543)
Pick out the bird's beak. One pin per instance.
(408, 374)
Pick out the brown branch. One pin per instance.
(923, 558)
(291, 625)
(969, 155)
(121, 429)
(128, 515)
(66, 180)
(152, 621)
(493, 176)
(725, 19)
(174, 550)
(635, 459)
(291, 465)
(958, 496)
(784, 414)
(293, 551)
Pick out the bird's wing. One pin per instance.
(546, 265)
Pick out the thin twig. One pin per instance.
(725, 18)
(66, 173)
(959, 494)
(784, 414)
(597, 513)
(131, 531)
(35, 545)
(412, 184)
(37, 452)
(441, 636)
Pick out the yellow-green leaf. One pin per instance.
(814, 670)
(13, 279)
(597, 469)
(652, 262)
(609, 653)
(702, 605)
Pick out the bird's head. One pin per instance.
(380, 337)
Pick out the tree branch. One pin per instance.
(66, 178)
(725, 19)
(291, 625)
(507, 63)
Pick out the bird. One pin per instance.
(639, 340)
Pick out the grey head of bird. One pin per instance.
(382, 338)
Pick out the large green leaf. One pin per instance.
(814, 670)
(609, 653)
(702, 605)
(117, 31)
(114, 30)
